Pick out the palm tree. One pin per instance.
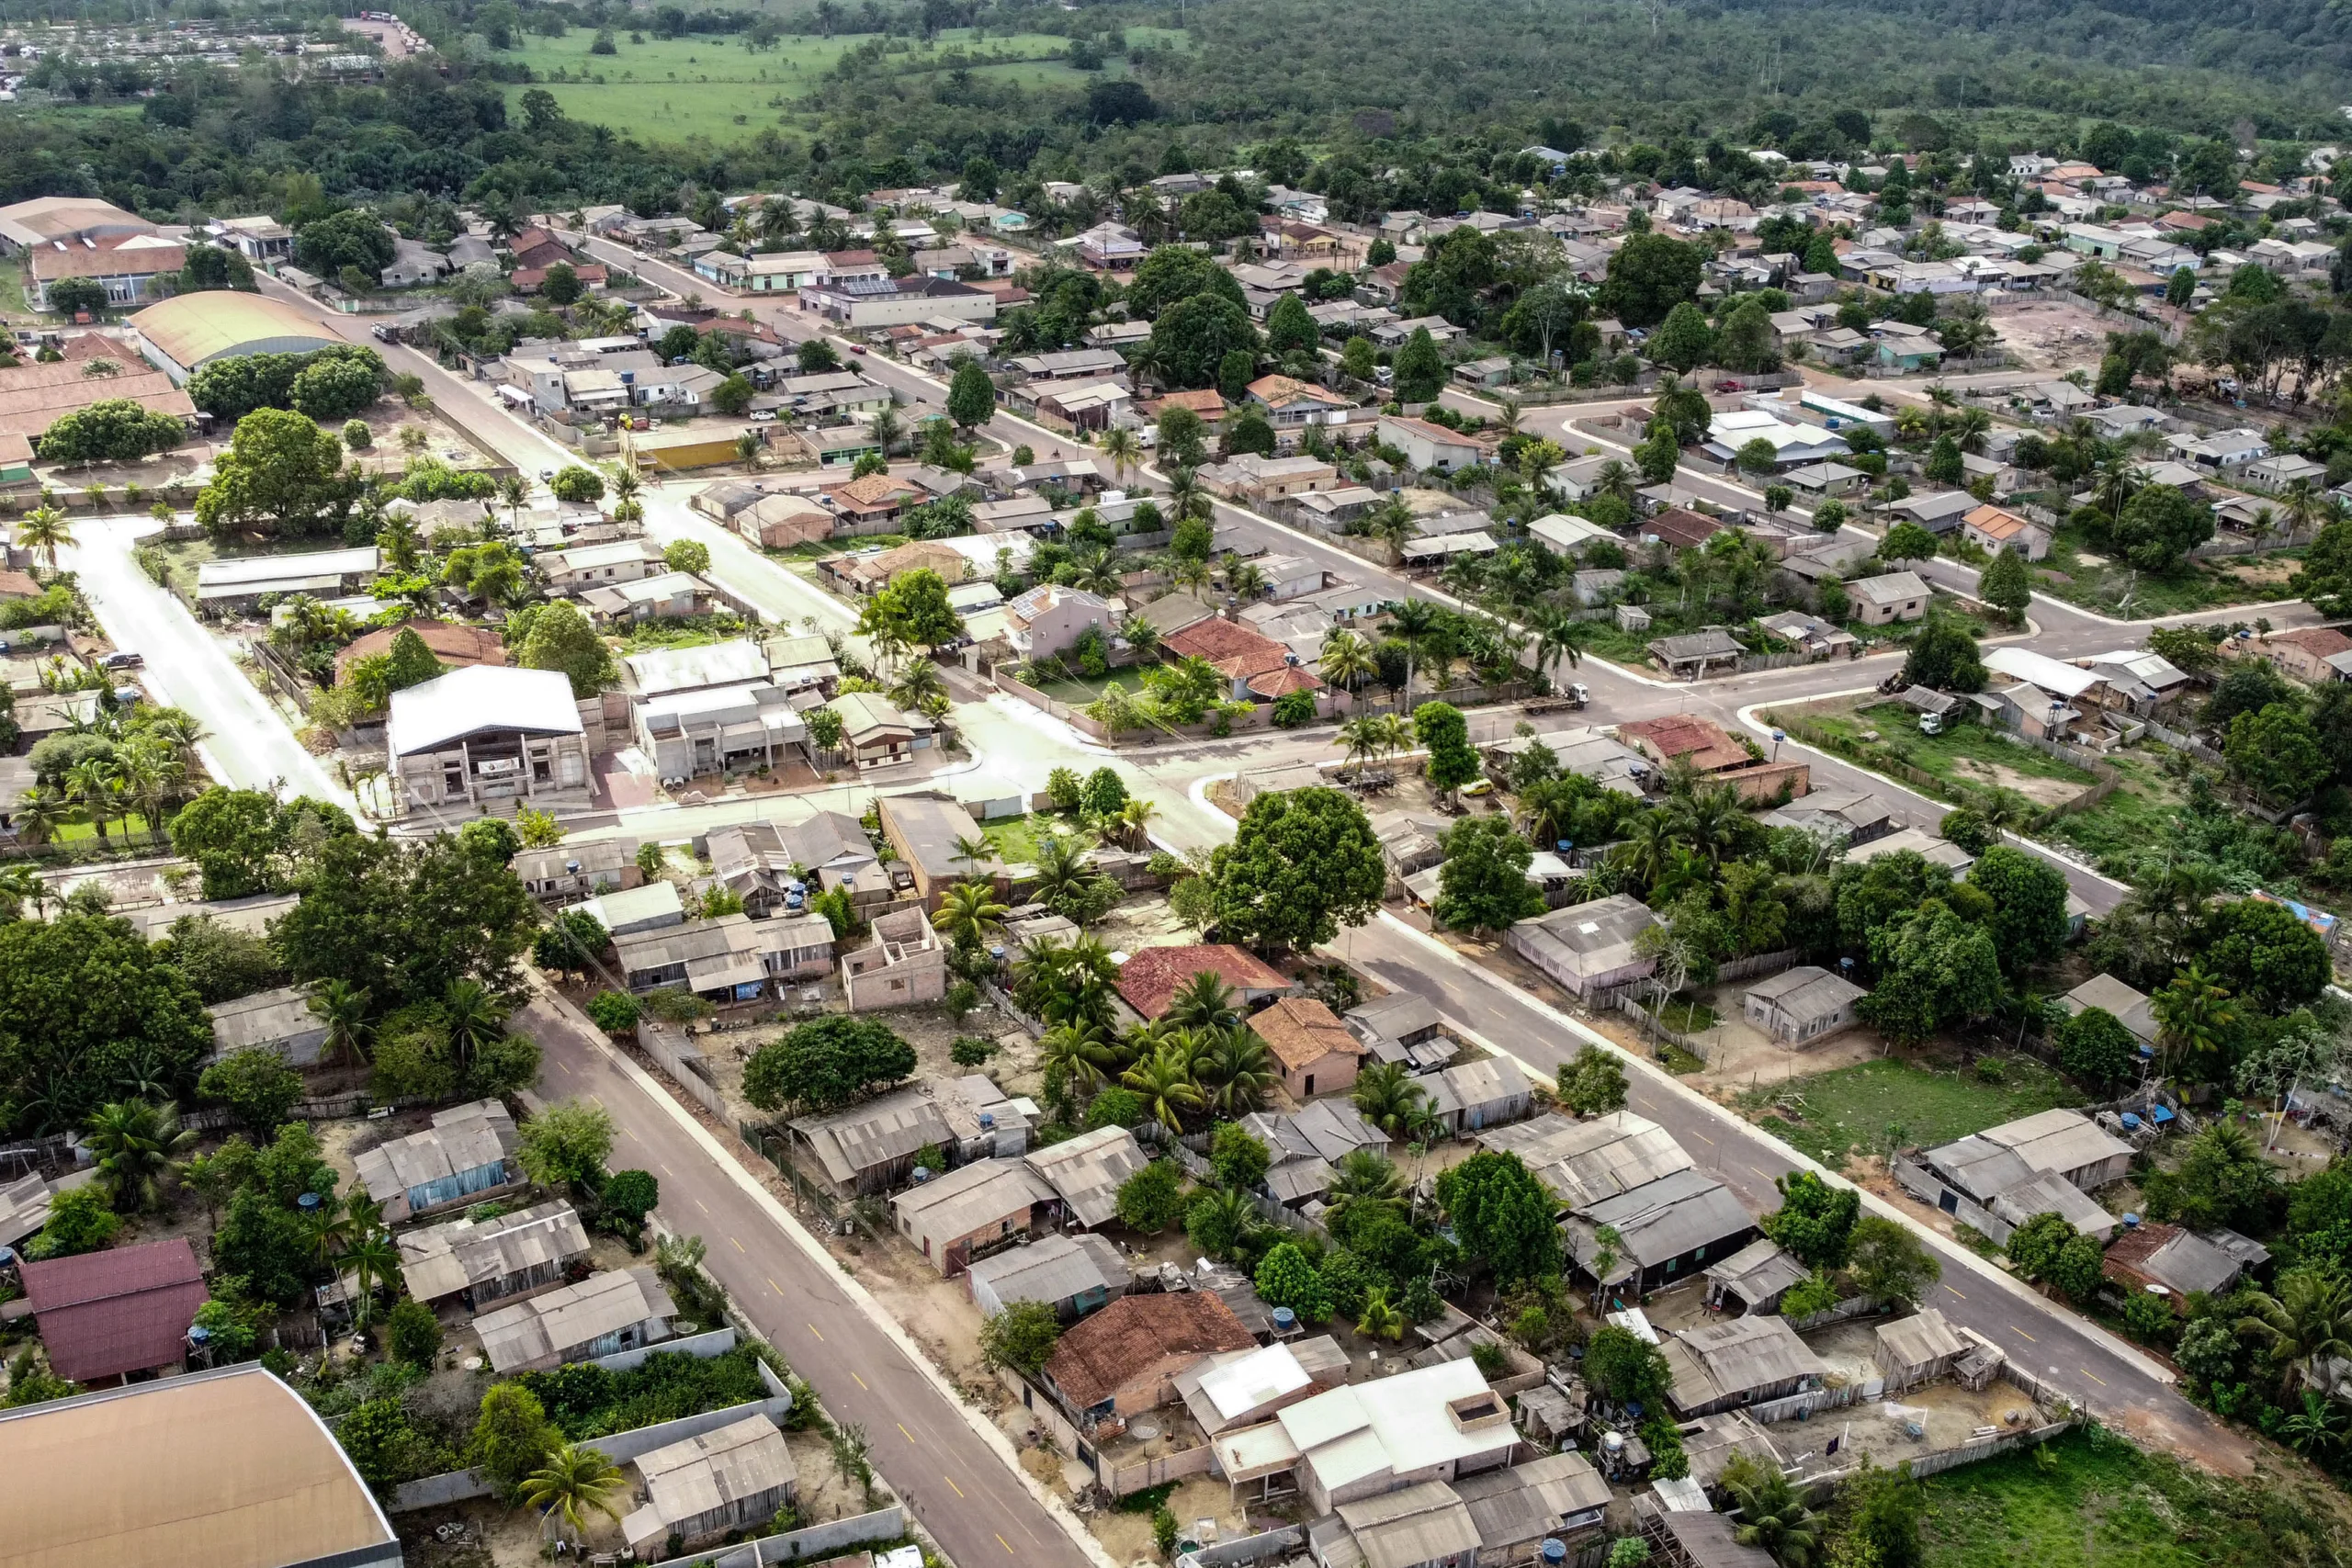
(1140, 634)
(1347, 661)
(343, 1008)
(2119, 478)
(1124, 451)
(40, 812)
(919, 685)
(514, 491)
(1232, 1213)
(1204, 1001)
(94, 784)
(2193, 1017)
(969, 913)
(1558, 635)
(1379, 1319)
(2309, 1320)
(1134, 822)
(575, 1480)
(1711, 820)
(973, 851)
(45, 531)
(1772, 1517)
(178, 729)
(476, 1016)
(2299, 503)
(1362, 737)
(1235, 1071)
(136, 1143)
(887, 428)
(1363, 1183)
(1649, 846)
(371, 1260)
(1415, 623)
(1164, 1081)
(1064, 878)
(1187, 498)
(1386, 1095)
(1097, 571)
(1078, 1054)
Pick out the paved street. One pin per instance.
(964, 1487)
(187, 667)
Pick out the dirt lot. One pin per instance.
(2041, 791)
(388, 452)
(2052, 335)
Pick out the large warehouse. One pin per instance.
(182, 335)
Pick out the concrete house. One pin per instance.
(1427, 445)
(1123, 1360)
(468, 1152)
(729, 959)
(122, 1312)
(969, 1212)
(1048, 618)
(1588, 947)
(1799, 1006)
(1896, 596)
(1433, 1424)
(1317, 1054)
(737, 1478)
(1150, 980)
(874, 734)
(904, 964)
(579, 870)
(924, 830)
(1993, 530)
(621, 1309)
(488, 733)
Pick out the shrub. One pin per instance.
(2148, 1318)
(356, 435)
(413, 1332)
(971, 1050)
(614, 1012)
(1021, 1337)
(1294, 710)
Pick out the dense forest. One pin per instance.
(1339, 89)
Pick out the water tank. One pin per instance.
(921, 1174)
(1285, 1320)
(1614, 1442)
(1556, 1550)
(1563, 845)
(988, 1120)
(2131, 1221)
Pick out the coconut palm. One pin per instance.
(2194, 1016)
(40, 812)
(45, 531)
(2309, 1320)
(1065, 880)
(2117, 479)
(1097, 571)
(973, 851)
(95, 784)
(1187, 498)
(180, 732)
(1363, 737)
(1230, 1214)
(969, 913)
(1078, 1054)
(1386, 1095)
(371, 1260)
(1140, 634)
(513, 492)
(1363, 1183)
(1124, 451)
(1379, 1319)
(1134, 822)
(1234, 1070)
(1204, 1001)
(575, 1481)
(1418, 624)
(887, 428)
(1773, 1517)
(476, 1016)
(1390, 522)
(1164, 1082)
(1649, 846)
(1347, 661)
(1711, 820)
(343, 1008)
(136, 1142)
(919, 685)
(1558, 635)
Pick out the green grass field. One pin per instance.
(713, 85)
(2102, 584)
(2099, 1501)
(1852, 1108)
(1967, 753)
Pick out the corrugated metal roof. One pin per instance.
(1425, 1522)
(1758, 1271)
(462, 1138)
(1737, 1357)
(1920, 1341)
(969, 1197)
(1051, 1269)
(551, 1326)
(1087, 1171)
(1671, 1216)
(743, 1460)
(1587, 1161)
(441, 1260)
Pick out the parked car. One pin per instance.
(125, 659)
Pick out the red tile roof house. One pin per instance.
(1705, 745)
(1124, 1361)
(1257, 665)
(104, 1315)
(1150, 980)
(1319, 1053)
(2302, 653)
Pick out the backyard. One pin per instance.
(1967, 755)
(712, 85)
(1831, 1114)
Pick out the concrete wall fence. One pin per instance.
(817, 1542)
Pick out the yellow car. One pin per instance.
(1477, 787)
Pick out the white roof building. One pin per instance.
(483, 697)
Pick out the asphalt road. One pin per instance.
(960, 1485)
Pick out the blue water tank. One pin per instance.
(1285, 1320)
(1556, 1550)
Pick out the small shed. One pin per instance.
(1073, 1274)
(1759, 1274)
(1916, 1349)
(465, 1153)
(280, 1020)
(1488, 1092)
(1803, 1004)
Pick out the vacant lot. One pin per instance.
(2104, 1502)
(714, 85)
(2081, 573)
(1966, 755)
(1830, 1116)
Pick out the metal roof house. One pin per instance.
(469, 1151)
(1073, 1274)
(1667, 1228)
(1434, 1423)
(1718, 1366)
(1425, 1525)
(280, 1020)
(489, 732)
(621, 1309)
(1588, 1159)
(1086, 1172)
(1916, 1349)
(1759, 1274)
(1490, 1092)
(1803, 1004)
(1515, 1510)
(221, 1468)
(104, 1315)
(2126, 1006)
(973, 1209)
(870, 1146)
(2051, 1142)
(1587, 947)
(2171, 1262)
(490, 1261)
(735, 1478)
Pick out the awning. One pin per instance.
(728, 970)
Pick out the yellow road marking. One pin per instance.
(1004, 1543)
(740, 1247)
(860, 1382)
(2092, 1375)
(951, 1481)
(666, 1170)
(777, 1287)
(700, 1204)
(812, 1328)
(1703, 1137)
(1761, 1171)
(1956, 1292)
(904, 1433)
(564, 1065)
(2021, 1332)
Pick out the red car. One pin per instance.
(858, 348)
